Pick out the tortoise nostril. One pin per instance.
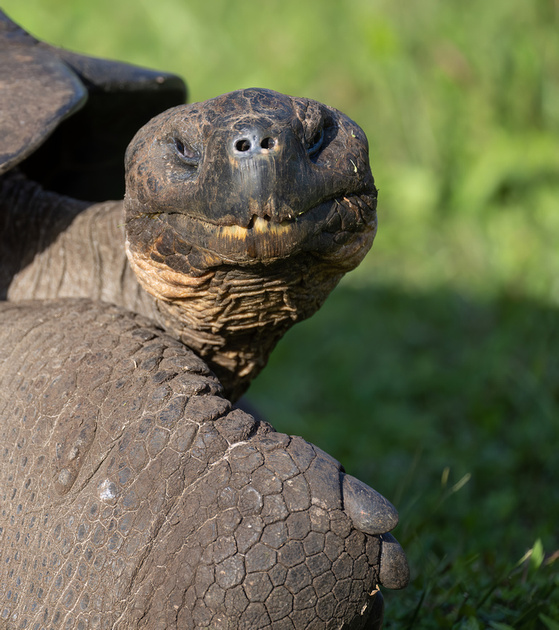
(243, 145)
(252, 144)
(268, 143)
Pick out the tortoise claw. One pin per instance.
(370, 511)
(394, 570)
(373, 514)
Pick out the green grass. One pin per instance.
(432, 373)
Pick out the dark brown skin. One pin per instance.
(56, 246)
(134, 496)
(242, 214)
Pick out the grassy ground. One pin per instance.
(432, 372)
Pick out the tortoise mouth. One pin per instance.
(321, 230)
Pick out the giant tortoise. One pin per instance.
(133, 493)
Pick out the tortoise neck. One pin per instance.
(235, 356)
(234, 316)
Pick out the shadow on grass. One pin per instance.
(449, 406)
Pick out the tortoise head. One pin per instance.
(242, 213)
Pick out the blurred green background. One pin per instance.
(432, 372)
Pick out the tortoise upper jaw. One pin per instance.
(258, 175)
(267, 187)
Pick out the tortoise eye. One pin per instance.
(316, 142)
(187, 155)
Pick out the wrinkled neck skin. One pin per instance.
(54, 246)
(234, 316)
(30, 221)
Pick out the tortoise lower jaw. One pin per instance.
(323, 230)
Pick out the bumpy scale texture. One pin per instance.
(134, 496)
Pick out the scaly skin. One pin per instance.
(134, 496)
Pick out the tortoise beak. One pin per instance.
(257, 158)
